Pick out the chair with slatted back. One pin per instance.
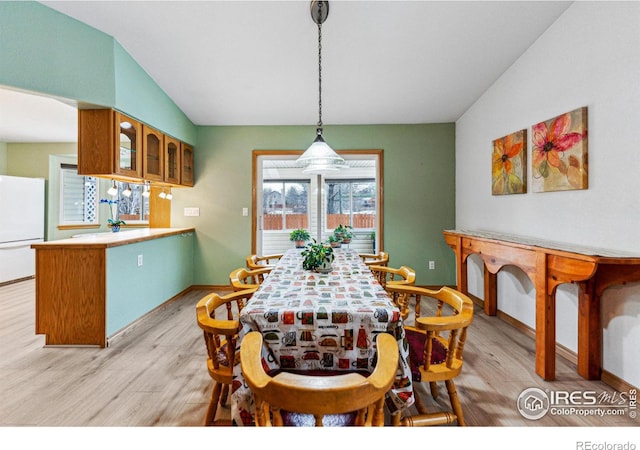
(242, 278)
(299, 399)
(218, 317)
(436, 343)
(375, 259)
(391, 276)
(260, 262)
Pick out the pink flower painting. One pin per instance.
(559, 155)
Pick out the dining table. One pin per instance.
(321, 323)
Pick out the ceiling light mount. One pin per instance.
(319, 11)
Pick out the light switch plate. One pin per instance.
(192, 212)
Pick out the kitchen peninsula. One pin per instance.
(90, 288)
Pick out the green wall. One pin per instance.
(32, 159)
(133, 290)
(47, 52)
(419, 191)
(3, 158)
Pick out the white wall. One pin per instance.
(589, 57)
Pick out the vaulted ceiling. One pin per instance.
(383, 62)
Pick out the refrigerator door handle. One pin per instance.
(18, 244)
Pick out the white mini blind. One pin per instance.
(78, 197)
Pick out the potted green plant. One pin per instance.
(299, 236)
(317, 257)
(344, 233)
(335, 241)
(347, 234)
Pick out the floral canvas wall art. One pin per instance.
(509, 164)
(559, 154)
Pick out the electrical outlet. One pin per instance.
(245, 212)
(139, 260)
(432, 265)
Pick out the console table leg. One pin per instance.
(589, 331)
(490, 292)
(545, 322)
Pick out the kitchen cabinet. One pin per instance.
(114, 145)
(91, 289)
(152, 154)
(172, 160)
(128, 148)
(109, 144)
(187, 165)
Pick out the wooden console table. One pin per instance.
(549, 264)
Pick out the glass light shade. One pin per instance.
(113, 190)
(321, 168)
(127, 192)
(320, 158)
(162, 194)
(319, 152)
(146, 191)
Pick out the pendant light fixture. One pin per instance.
(319, 157)
(113, 190)
(146, 189)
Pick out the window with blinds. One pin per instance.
(78, 197)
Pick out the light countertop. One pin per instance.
(110, 239)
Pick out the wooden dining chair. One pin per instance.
(242, 278)
(375, 259)
(436, 344)
(300, 399)
(218, 317)
(259, 262)
(391, 276)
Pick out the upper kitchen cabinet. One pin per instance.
(187, 165)
(153, 154)
(109, 144)
(113, 145)
(128, 149)
(172, 164)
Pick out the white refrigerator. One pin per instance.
(21, 224)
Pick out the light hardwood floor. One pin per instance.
(155, 373)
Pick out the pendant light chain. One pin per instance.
(320, 157)
(320, 76)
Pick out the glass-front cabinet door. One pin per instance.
(129, 152)
(187, 165)
(153, 154)
(172, 163)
